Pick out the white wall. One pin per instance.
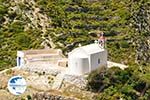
(20, 54)
(94, 60)
(85, 65)
(20, 62)
(78, 66)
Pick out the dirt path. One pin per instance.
(112, 64)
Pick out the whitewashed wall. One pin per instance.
(78, 66)
(94, 60)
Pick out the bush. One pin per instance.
(23, 40)
(95, 80)
(124, 44)
(10, 71)
(29, 97)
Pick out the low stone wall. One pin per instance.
(53, 72)
(42, 68)
(47, 96)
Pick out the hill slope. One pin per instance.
(65, 24)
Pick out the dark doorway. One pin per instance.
(19, 61)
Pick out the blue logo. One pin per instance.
(17, 85)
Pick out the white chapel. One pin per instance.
(87, 58)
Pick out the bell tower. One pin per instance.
(102, 40)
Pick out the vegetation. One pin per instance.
(69, 23)
(29, 97)
(114, 83)
(9, 71)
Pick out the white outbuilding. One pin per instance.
(87, 58)
(52, 56)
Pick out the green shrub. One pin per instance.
(10, 71)
(3, 10)
(29, 97)
(124, 44)
(23, 40)
(21, 98)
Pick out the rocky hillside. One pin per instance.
(65, 24)
(142, 33)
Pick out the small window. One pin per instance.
(99, 61)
